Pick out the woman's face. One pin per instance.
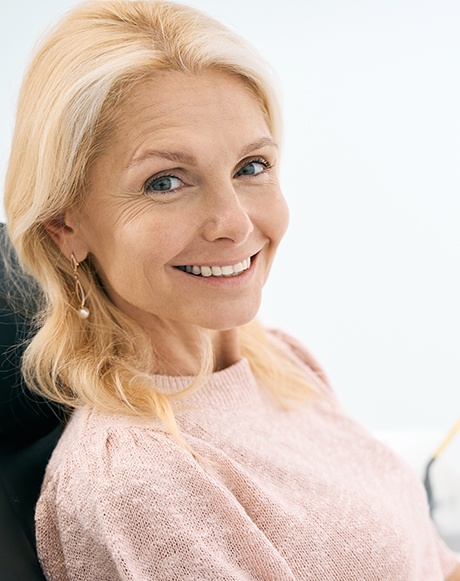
(185, 212)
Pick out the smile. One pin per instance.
(233, 270)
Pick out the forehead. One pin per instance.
(175, 105)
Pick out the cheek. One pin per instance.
(277, 219)
(141, 253)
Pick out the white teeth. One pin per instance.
(206, 271)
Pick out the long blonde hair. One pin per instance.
(67, 105)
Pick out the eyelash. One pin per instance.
(266, 164)
(261, 160)
(153, 179)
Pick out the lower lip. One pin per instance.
(222, 281)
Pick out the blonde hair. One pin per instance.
(66, 109)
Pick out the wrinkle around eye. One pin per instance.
(130, 210)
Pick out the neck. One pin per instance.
(226, 349)
(180, 351)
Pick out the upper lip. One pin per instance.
(224, 262)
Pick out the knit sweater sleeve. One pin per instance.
(104, 516)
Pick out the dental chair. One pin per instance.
(29, 425)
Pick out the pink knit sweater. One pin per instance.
(288, 495)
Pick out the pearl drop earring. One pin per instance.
(83, 310)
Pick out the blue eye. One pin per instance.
(163, 184)
(253, 168)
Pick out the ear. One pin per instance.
(64, 232)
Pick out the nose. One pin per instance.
(226, 217)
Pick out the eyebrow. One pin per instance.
(258, 145)
(186, 159)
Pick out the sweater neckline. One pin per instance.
(230, 387)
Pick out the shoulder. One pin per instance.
(300, 355)
(120, 492)
(108, 470)
(97, 447)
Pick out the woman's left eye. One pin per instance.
(163, 184)
(253, 168)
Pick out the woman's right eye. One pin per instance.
(165, 183)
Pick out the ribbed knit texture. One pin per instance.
(285, 495)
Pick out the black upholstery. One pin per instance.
(21, 474)
(23, 417)
(29, 426)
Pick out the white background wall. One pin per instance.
(368, 274)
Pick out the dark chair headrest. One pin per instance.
(24, 416)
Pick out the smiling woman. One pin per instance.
(143, 195)
(208, 197)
